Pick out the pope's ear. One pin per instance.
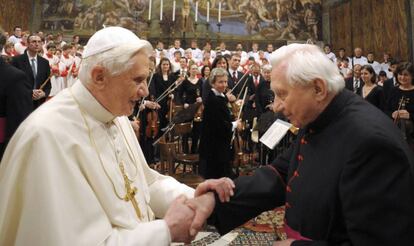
(98, 76)
(320, 89)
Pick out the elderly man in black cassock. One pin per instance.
(346, 180)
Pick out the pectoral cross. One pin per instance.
(130, 192)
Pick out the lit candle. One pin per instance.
(219, 15)
(161, 10)
(208, 11)
(149, 10)
(173, 17)
(196, 11)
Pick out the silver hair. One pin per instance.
(303, 63)
(267, 67)
(217, 72)
(116, 61)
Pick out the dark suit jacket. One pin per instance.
(231, 81)
(43, 71)
(15, 99)
(350, 164)
(349, 84)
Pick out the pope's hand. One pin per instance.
(223, 187)
(179, 218)
(203, 207)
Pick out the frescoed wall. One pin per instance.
(239, 19)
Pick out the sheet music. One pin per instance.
(275, 133)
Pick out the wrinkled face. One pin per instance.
(235, 62)
(296, 102)
(34, 44)
(121, 92)
(405, 78)
(220, 83)
(366, 76)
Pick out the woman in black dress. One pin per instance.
(400, 105)
(216, 130)
(190, 93)
(372, 92)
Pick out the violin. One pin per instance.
(405, 125)
(152, 128)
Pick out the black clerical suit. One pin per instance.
(347, 180)
(43, 71)
(15, 101)
(216, 132)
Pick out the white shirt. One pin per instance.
(376, 66)
(331, 56)
(55, 190)
(358, 60)
(20, 48)
(13, 39)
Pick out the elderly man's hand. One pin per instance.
(203, 207)
(223, 187)
(179, 218)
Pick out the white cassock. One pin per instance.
(55, 190)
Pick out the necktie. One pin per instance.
(256, 81)
(356, 85)
(33, 64)
(234, 77)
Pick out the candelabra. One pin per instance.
(219, 32)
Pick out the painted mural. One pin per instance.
(245, 19)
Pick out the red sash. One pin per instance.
(294, 234)
(2, 129)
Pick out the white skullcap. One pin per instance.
(112, 37)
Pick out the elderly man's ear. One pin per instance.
(320, 89)
(99, 77)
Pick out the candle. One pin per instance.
(196, 12)
(208, 11)
(219, 14)
(173, 17)
(161, 10)
(149, 10)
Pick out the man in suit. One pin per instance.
(355, 83)
(234, 74)
(36, 69)
(15, 99)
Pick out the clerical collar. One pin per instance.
(331, 112)
(219, 94)
(370, 62)
(193, 48)
(89, 103)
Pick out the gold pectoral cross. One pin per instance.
(130, 192)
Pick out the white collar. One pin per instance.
(89, 103)
(217, 93)
(31, 57)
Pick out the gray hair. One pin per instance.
(305, 63)
(116, 61)
(267, 67)
(217, 72)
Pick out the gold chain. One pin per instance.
(130, 191)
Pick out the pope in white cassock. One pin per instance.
(74, 174)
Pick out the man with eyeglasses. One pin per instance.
(36, 68)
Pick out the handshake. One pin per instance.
(186, 217)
